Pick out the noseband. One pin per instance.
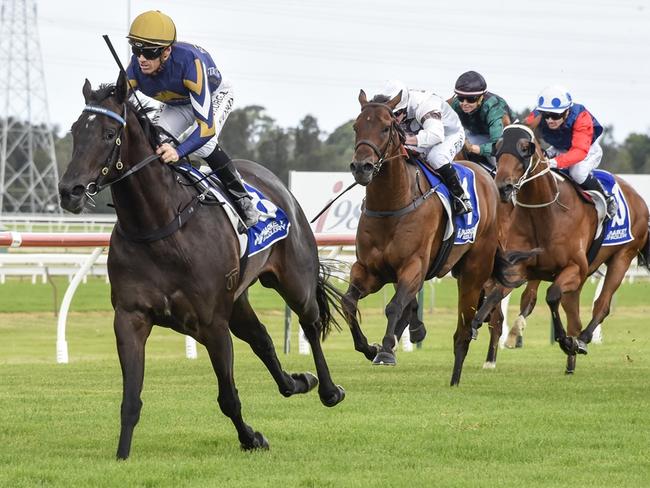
(381, 154)
(510, 146)
(113, 158)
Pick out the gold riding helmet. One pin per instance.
(152, 28)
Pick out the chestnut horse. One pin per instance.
(186, 274)
(554, 227)
(400, 235)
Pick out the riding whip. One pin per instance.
(332, 202)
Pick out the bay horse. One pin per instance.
(553, 229)
(188, 276)
(400, 235)
(528, 297)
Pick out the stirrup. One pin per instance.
(462, 206)
(248, 213)
(612, 206)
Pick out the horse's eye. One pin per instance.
(354, 128)
(385, 130)
(109, 134)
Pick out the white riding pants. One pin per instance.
(445, 152)
(581, 170)
(179, 120)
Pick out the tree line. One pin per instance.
(251, 133)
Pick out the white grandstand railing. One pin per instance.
(77, 266)
(99, 241)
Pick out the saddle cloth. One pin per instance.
(618, 230)
(465, 225)
(272, 227)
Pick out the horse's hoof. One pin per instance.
(474, 333)
(305, 382)
(490, 365)
(259, 442)
(568, 346)
(418, 334)
(335, 398)
(373, 350)
(384, 358)
(582, 347)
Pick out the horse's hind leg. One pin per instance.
(568, 280)
(131, 332)
(616, 269)
(410, 318)
(495, 326)
(218, 342)
(527, 303)
(245, 325)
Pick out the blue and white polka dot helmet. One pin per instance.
(554, 99)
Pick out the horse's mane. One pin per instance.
(151, 131)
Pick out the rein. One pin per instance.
(94, 187)
(526, 179)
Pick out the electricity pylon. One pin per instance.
(28, 170)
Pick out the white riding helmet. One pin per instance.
(391, 89)
(554, 98)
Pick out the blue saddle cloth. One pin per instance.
(618, 230)
(273, 225)
(465, 225)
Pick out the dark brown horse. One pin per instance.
(553, 229)
(187, 274)
(400, 235)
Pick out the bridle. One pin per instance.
(113, 158)
(529, 162)
(381, 154)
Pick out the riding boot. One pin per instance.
(222, 166)
(593, 184)
(461, 202)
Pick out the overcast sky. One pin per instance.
(298, 57)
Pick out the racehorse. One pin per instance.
(182, 269)
(528, 297)
(400, 235)
(554, 228)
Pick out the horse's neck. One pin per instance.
(142, 200)
(539, 190)
(392, 188)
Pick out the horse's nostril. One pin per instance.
(368, 166)
(78, 190)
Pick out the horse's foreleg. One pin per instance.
(492, 299)
(409, 282)
(569, 279)
(245, 325)
(131, 332)
(218, 342)
(571, 305)
(362, 284)
(417, 331)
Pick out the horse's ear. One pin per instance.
(87, 90)
(121, 87)
(363, 99)
(393, 103)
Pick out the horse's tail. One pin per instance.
(504, 261)
(327, 295)
(644, 254)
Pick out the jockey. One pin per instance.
(185, 79)
(483, 115)
(572, 133)
(432, 129)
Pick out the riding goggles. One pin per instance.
(149, 53)
(551, 115)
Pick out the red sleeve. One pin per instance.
(583, 133)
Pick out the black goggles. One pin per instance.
(463, 98)
(551, 115)
(147, 52)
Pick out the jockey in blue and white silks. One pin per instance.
(193, 94)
